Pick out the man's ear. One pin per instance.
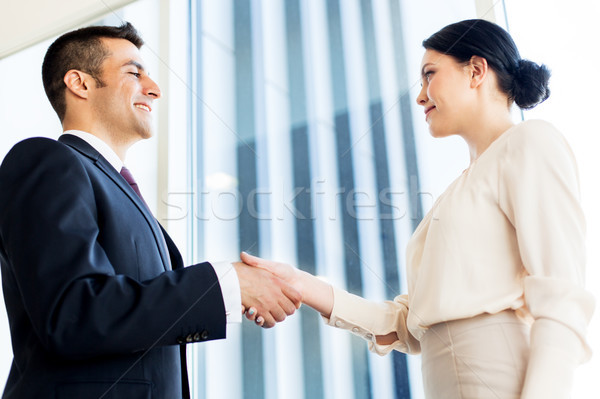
(77, 82)
(478, 68)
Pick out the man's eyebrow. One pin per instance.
(135, 64)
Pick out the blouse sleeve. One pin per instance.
(368, 319)
(539, 193)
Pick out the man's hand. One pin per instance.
(286, 272)
(271, 297)
(315, 292)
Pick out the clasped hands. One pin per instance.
(271, 291)
(275, 290)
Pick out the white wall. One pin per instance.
(24, 108)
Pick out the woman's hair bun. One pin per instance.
(530, 84)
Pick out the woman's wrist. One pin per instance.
(316, 293)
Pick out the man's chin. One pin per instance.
(145, 134)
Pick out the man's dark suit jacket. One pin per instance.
(94, 309)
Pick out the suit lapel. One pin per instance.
(84, 148)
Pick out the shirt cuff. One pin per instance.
(230, 288)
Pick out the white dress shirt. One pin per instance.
(228, 280)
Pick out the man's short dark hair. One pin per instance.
(82, 50)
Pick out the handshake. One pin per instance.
(271, 291)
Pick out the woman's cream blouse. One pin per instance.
(506, 234)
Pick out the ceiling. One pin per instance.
(26, 22)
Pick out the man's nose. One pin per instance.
(151, 88)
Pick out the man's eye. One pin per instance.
(137, 75)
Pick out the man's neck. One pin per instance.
(120, 148)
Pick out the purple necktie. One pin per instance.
(129, 178)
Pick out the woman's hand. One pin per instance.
(286, 272)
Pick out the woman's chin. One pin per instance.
(440, 130)
(438, 133)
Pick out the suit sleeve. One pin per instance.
(539, 194)
(68, 290)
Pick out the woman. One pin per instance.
(495, 300)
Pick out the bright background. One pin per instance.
(563, 34)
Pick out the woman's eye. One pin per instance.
(428, 75)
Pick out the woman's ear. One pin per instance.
(77, 82)
(478, 68)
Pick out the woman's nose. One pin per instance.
(422, 97)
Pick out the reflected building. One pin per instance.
(304, 106)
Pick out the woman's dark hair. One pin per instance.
(525, 82)
(83, 50)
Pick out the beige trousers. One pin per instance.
(477, 358)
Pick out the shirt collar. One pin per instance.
(104, 149)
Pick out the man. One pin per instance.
(98, 300)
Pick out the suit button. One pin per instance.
(204, 335)
(196, 337)
(189, 338)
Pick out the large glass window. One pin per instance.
(305, 152)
